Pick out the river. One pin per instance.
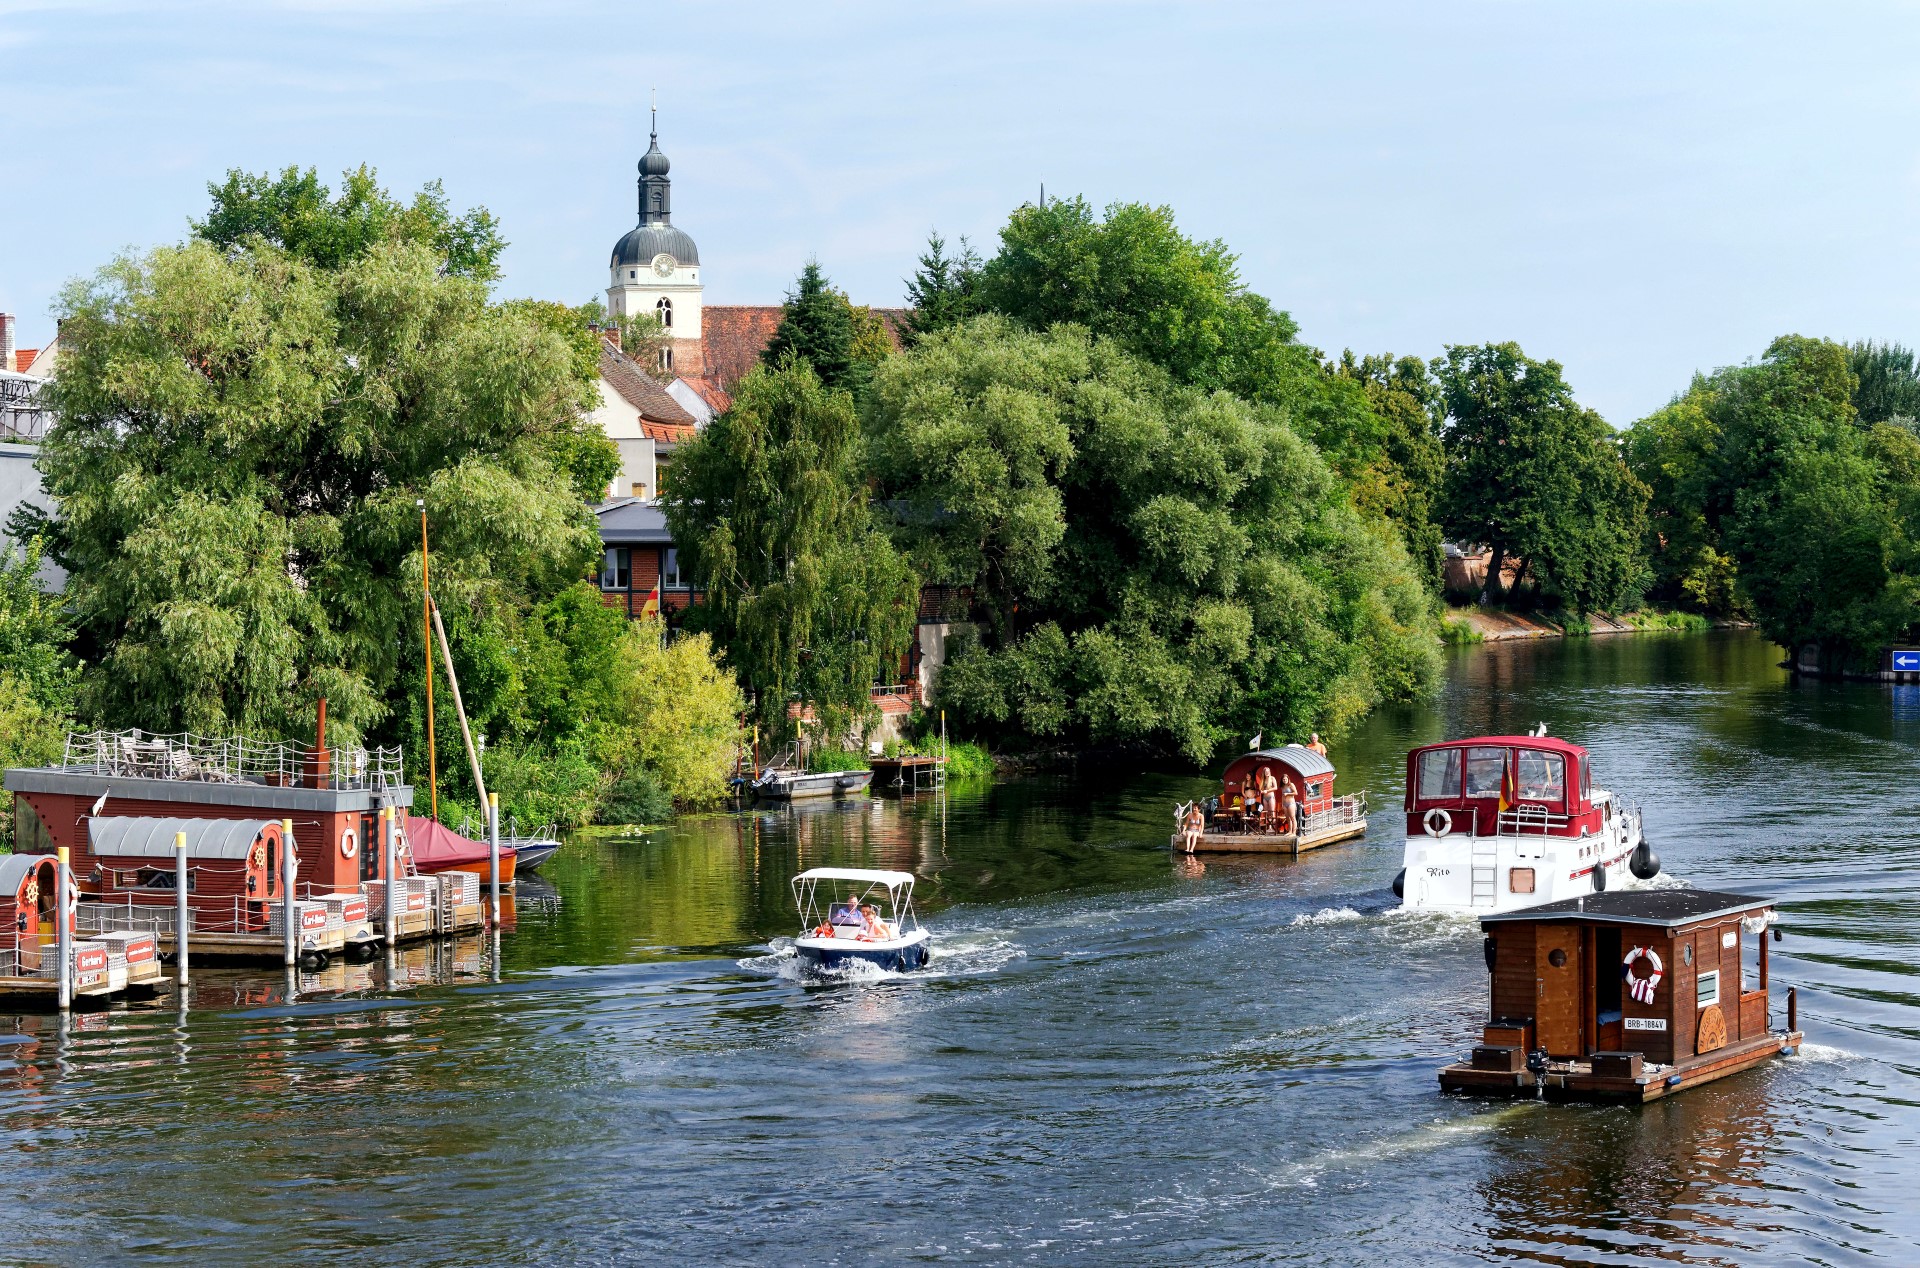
(1117, 1057)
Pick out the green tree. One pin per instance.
(941, 291)
(1675, 453)
(817, 328)
(1538, 478)
(678, 713)
(243, 439)
(37, 674)
(808, 599)
(298, 213)
(1397, 468)
(1887, 381)
(1156, 565)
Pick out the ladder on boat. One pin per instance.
(1484, 871)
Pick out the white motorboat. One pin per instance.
(1500, 822)
(777, 783)
(841, 923)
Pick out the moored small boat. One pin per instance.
(780, 783)
(841, 926)
(438, 848)
(1242, 820)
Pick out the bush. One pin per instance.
(1459, 632)
(637, 797)
(31, 734)
(565, 788)
(823, 758)
(678, 716)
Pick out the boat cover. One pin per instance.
(437, 847)
(864, 875)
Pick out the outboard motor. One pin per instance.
(1644, 864)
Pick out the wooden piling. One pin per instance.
(1793, 1008)
(63, 934)
(288, 922)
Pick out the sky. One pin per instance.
(1635, 190)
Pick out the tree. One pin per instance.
(941, 291)
(37, 674)
(642, 336)
(296, 212)
(1674, 452)
(1157, 565)
(1396, 466)
(1888, 382)
(1538, 478)
(817, 328)
(243, 439)
(809, 600)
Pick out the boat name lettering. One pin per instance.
(1439, 871)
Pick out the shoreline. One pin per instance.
(1494, 625)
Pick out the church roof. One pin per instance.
(642, 391)
(732, 337)
(641, 244)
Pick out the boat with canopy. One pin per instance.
(842, 921)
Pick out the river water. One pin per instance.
(1118, 1057)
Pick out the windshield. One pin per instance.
(1541, 776)
(1485, 767)
(1440, 773)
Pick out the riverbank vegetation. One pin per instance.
(1788, 490)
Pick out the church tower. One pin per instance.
(656, 267)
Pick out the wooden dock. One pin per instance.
(139, 981)
(1270, 842)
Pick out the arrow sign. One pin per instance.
(1907, 661)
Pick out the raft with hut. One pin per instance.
(1626, 996)
(1238, 822)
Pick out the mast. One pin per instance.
(426, 631)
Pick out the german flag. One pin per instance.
(1507, 797)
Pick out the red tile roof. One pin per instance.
(641, 390)
(22, 359)
(732, 337)
(717, 400)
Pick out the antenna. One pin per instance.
(653, 108)
(1043, 195)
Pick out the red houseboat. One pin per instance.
(1238, 821)
(1499, 822)
(1625, 996)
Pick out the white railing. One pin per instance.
(1343, 811)
(157, 916)
(136, 754)
(1523, 821)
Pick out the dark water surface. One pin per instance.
(1117, 1057)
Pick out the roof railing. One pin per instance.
(137, 754)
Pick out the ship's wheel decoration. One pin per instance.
(1642, 988)
(32, 895)
(259, 854)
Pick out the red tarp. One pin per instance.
(437, 847)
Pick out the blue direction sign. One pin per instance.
(1906, 660)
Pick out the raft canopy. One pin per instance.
(1298, 758)
(858, 875)
(129, 836)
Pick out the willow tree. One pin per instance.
(808, 599)
(1154, 564)
(243, 437)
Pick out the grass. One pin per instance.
(831, 759)
(1689, 621)
(1459, 633)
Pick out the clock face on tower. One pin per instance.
(663, 264)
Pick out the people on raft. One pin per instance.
(1269, 789)
(1314, 743)
(1193, 823)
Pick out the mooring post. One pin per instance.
(180, 919)
(288, 920)
(387, 867)
(493, 852)
(1793, 1009)
(62, 935)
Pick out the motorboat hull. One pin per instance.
(529, 855)
(1481, 875)
(896, 955)
(783, 786)
(479, 867)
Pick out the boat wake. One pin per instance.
(962, 956)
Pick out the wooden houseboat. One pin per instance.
(1625, 996)
(29, 964)
(1236, 821)
(1500, 822)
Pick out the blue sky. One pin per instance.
(1634, 190)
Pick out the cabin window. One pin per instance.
(616, 568)
(30, 836)
(1313, 789)
(1485, 769)
(1586, 780)
(1541, 776)
(162, 878)
(1440, 773)
(1706, 988)
(1520, 880)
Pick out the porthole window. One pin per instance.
(1557, 958)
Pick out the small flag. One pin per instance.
(1506, 787)
(1255, 743)
(101, 804)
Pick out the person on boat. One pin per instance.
(824, 929)
(874, 927)
(1314, 742)
(1269, 793)
(1196, 824)
(847, 913)
(1290, 802)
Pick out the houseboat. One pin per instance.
(103, 966)
(842, 923)
(1500, 822)
(1236, 821)
(1626, 996)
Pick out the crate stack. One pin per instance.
(129, 951)
(310, 917)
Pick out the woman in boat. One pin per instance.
(871, 924)
(1269, 794)
(1290, 801)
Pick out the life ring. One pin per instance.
(349, 844)
(1642, 988)
(1438, 822)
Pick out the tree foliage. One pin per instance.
(817, 328)
(941, 291)
(1798, 478)
(1155, 564)
(298, 213)
(1539, 479)
(37, 674)
(243, 439)
(1396, 466)
(770, 510)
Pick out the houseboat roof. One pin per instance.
(131, 836)
(1662, 907)
(1299, 757)
(1547, 743)
(14, 869)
